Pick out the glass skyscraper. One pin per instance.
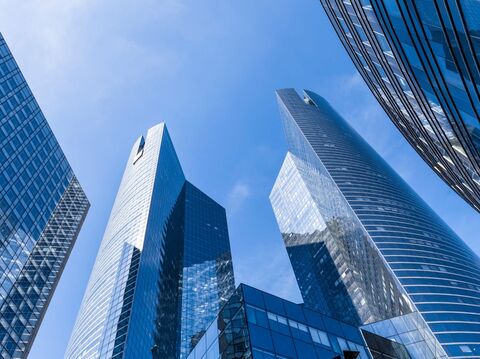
(420, 58)
(164, 267)
(364, 246)
(42, 208)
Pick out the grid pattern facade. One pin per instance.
(421, 61)
(433, 265)
(42, 208)
(411, 331)
(257, 325)
(161, 227)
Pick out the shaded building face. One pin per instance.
(346, 185)
(421, 61)
(257, 325)
(164, 266)
(197, 255)
(42, 208)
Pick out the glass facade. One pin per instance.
(207, 272)
(42, 208)
(338, 267)
(410, 330)
(332, 182)
(420, 58)
(164, 266)
(257, 325)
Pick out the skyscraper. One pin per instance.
(42, 208)
(420, 58)
(364, 246)
(164, 267)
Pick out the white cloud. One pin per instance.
(58, 38)
(353, 82)
(237, 196)
(89, 53)
(47, 28)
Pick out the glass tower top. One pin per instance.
(42, 208)
(420, 58)
(164, 266)
(354, 228)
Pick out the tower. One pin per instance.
(355, 230)
(420, 59)
(164, 266)
(42, 208)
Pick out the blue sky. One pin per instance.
(105, 71)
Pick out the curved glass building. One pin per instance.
(42, 208)
(364, 246)
(420, 58)
(164, 266)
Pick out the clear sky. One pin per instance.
(105, 71)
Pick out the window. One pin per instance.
(343, 344)
(257, 316)
(260, 337)
(299, 330)
(283, 345)
(278, 323)
(139, 154)
(319, 337)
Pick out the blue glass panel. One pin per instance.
(283, 345)
(304, 350)
(260, 337)
(294, 312)
(274, 304)
(253, 297)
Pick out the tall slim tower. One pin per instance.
(164, 267)
(364, 246)
(42, 208)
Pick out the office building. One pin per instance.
(164, 266)
(257, 325)
(364, 246)
(42, 208)
(420, 59)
